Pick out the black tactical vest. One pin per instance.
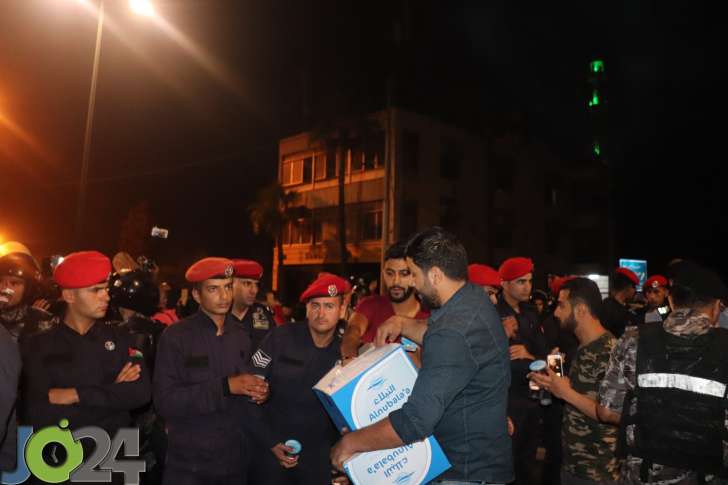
(681, 400)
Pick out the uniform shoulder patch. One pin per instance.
(261, 359)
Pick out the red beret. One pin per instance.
(483, 275)
(656, 281)
(82, 269)
(326, 284)
(247, 268)
(208, 268)
(558, 283)
(629, 274)
(514, 268)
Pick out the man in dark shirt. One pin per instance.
(257, 319)
(616, 315)
(293, 358)
(9, 376)
(526, 344)
(199, 381)
(85, 370)
(460, 395)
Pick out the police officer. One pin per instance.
(665, 387)
(19, 283)
(293, 358)
(134, 296)
(257, 319)
(656, 291)
(487, 278)
(84, 369)
(199, 381)
(616, 314)
(9, 376)
(526, 344)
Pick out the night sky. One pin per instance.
(193, 131)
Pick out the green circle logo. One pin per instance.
(60, 435)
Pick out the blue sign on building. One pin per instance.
(638, 266)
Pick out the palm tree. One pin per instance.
(271, 211)
(338, 136)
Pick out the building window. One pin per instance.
(357, 160)
(307, 170)
(372, 225)
(332, 169)
(374, 152)
(297, 231)
(410, 152)
(292, 172)
(319, 166)
(451, 160)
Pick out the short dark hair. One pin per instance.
(437, 247)
(695, 286)
(396, 251)
(584, 290)
(620, 282)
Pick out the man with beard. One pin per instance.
(293, 358)
(19, 280)
(461, 391)
(375, 310)
(589, 446)
(257, 319)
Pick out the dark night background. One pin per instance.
(197, 145)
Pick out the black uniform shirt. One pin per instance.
(616, 317)
(204, 422)
(257, 322)
(531, 335)
(62, 358)
(293, 364)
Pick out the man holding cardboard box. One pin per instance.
(461, 392)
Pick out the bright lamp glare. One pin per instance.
(142, 7)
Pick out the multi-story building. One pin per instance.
(501, 195)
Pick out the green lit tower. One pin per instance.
(597, 106)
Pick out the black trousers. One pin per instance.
(526, 416)
(177, 476)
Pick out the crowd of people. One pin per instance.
(219, 383)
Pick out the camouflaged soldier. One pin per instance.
(19, 283)
(589, 446)
(671, 378)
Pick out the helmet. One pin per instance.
(134, 290)
(23, 266)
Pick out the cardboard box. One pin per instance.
(366, 391)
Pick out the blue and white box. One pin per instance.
(366, 391)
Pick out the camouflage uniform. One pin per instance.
(589, 446)
(24, 321)
(621, 378)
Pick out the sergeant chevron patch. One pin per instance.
(261, 359)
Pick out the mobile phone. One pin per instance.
(556, 363)
(663, 310)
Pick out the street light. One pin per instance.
(141, 7)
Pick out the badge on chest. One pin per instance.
(260, 322)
